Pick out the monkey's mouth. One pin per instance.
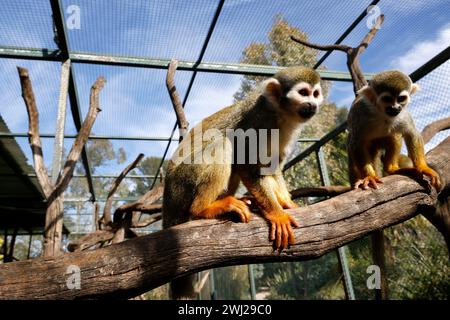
(392, 111)
(307, 111)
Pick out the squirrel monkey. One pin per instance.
(379, 120)
(199, 190)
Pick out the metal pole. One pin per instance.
(212, 285)
(251, 278)
(348, 286)
(60, 120)
(29, 246)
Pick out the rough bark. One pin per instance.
(54, 192)
(129, 268)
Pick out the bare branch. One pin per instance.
(96, 216)
(353, 54)
(435, 127)
(107, 210)
(90, 240)
(82, 136)
(33, 133)
(183, 124)
(145, 201)
(331, 47)
(147, 222)
(325, 191)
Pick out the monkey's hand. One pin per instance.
(281, 229)
(369, 181)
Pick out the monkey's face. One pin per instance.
(303, 100)
(390, 91)
(392, 104)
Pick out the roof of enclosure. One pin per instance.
(208, 37)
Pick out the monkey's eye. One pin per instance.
(401, 99)
(304, 92)
(316, 93)
(387, 99)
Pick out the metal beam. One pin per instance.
(60, 121)
(346, 32)
(191, 82)
(131, 176)
(96, 137)
(435, 62)
(316, 146)
(342, 256)
(153, 63)
(63, 44)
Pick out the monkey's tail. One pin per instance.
(183, 288)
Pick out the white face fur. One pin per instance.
(302, 101)
(393, 105)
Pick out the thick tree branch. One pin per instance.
(324, 191)
(33, 132)
(435, 127)
(183, 124)
(135, 266)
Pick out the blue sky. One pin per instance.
(135, 101)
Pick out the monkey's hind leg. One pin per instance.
(208, 204)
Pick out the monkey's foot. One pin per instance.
(435, 181)
(281, 229)
(369, 181)
(225, 205)
(418, 173)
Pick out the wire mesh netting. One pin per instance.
(135, 103)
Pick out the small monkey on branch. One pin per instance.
(205, 189)
(378, 121)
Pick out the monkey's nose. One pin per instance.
(393, 110)
(307, 110)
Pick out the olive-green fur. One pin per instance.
(392, 81)
(290, 76)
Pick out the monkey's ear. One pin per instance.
(272, 88)
(415, 88)
(368, 92)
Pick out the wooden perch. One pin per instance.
(353, 54)
(54, 193)
(325, 191)
(135, 266)
(433, 128)
(183, 125)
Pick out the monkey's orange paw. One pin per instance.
(281, 229)
(434, 177)
(369, 181)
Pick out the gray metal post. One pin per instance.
(212, 285)
(60, 120)
(251, 278)
(348, 286)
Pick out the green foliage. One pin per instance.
(419, 267)
(232, 283)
